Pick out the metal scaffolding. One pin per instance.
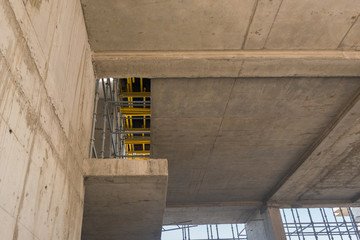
(126, 112)
(209, 231)
(299, 224)
(320, 223)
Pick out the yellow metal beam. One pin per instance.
(137, 129)
(143, 111)
(138, 152)
(132, 142)
(138, 115)
(140, 94)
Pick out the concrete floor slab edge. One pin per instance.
(134, 190)
(125, 167)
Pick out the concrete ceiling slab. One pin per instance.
(267, 124)
(351, 40)
(190, 176)
(192, 99)
(227, 25)
(216, 39)
(200, 133)
(124, 198)
(166, 25)
(312, 24)
(261, 23)
(329, 171)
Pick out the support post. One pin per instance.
(266, 225)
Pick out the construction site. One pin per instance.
(179, 120)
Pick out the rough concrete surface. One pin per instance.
(233, 139)
(266, 225)
(339, 152)
(288, 135)
(200, 64)
(124, 198)
(211, 25)
(208, 214)
(176, 39)
(46, 93)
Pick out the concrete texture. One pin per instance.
(232, 140)
(200, 64)
(338, 151)
(233, 25)
(167, 25)
(176, 39)
(124, 198)
(266, 225)
(210, 214)
(46, 93)
(232, 143)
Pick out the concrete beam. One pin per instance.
(217, 204)
(329, 170)
(210, 212)
(312, 204)
(208, 215)
(198, 64)
(124, 198)
(124, 167)
(266, 225)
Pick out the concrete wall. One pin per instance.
(46, 98)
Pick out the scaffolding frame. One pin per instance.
(299, 224)
(121, 109)
(320, 223)
(238, 231)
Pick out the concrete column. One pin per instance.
(266, 225)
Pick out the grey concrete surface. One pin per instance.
(210, 25)
(46, 96)
(124, 198)
(230, 139)
(211, 214)
(176, 39)
(199, 64)
(330, 170)
(265, 225)
(167, 25)
(233, 140)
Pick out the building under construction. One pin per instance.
(123, 119)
